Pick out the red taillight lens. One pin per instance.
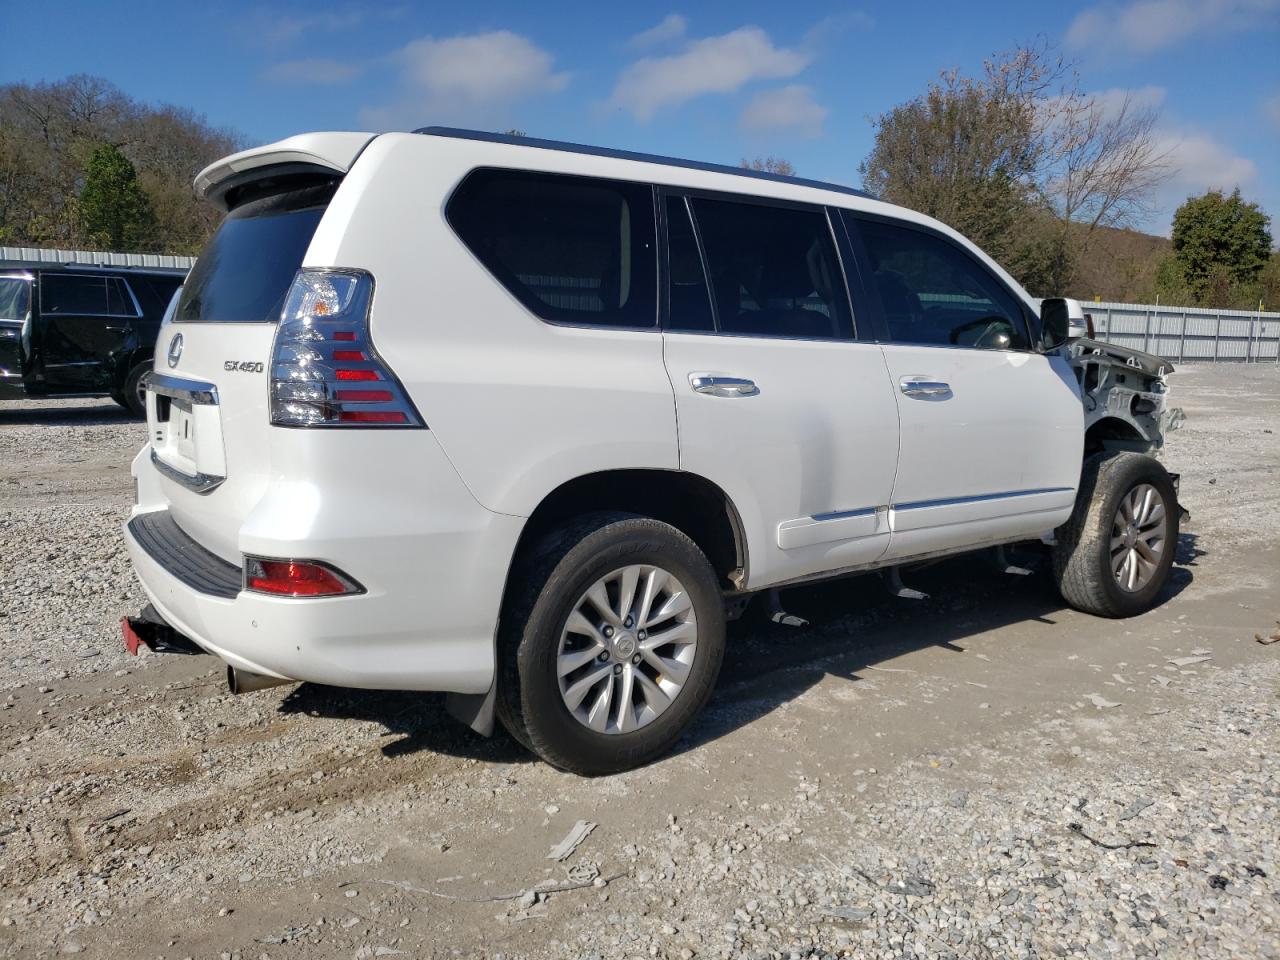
(295, 578)
(322, 344)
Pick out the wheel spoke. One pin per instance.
(574, 696)
(652, 693)
(599, 598)
(653, 585)
(1143, 550)
(1119, 560)
(681, 633)
(566, 663)
(580, 625)
(1155, 518)
(1133, 569)
(598, 717)
(668, 667)
(626, 709)
(674, 605)
(1148, 497)
(627, 591)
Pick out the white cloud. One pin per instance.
(670, 29)
(1145, 26)
(314, 72)
(469, 79)
(787, 108)
(722, 64)
(1197, 163)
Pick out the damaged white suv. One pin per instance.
(525, 421)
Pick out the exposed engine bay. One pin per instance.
(1125, 396)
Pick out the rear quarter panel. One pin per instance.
(519, 405)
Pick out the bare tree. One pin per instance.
(771, 164)
(1021, 160)
(1101, 161)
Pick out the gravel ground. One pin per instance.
(981, 774)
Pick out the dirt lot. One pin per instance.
(980, 774)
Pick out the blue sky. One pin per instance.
(709, 81)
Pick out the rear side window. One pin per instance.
(571, 249)
(774, 270)
(933, 292)
(246, 269)
(73, 294)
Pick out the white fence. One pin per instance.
(100, 258)
(1189, 333)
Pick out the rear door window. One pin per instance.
(571, 249)
(774, 270)
(84, 296)
(246, 269)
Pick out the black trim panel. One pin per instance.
(164, 541)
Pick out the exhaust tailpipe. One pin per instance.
(242, 681)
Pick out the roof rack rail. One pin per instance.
(566, 147)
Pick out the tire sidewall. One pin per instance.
(555, 732)
(130, 393)
(1118, 479)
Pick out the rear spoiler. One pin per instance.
(314, 153)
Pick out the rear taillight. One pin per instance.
(296, 578)
(324, 369)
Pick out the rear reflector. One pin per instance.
(322, 343)
(296, 578)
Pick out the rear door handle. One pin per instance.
(715, 386)
(924, 387)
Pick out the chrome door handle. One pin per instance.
(923, 387)
(722, 386)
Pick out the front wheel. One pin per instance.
(610, 644)
(1112, 558)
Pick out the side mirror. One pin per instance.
(1061, 321)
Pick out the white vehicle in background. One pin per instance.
(520, 421)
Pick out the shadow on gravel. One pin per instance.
(854, 624)
(98, 415)
(419, 717)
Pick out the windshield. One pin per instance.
(245, 271)
(15, 298)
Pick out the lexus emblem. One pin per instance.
(175, 350)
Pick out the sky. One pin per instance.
(708, 81)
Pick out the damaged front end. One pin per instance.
(1125, 396)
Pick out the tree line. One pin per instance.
(83, 165)
(1047, 179)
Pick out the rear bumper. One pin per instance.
(425, 622)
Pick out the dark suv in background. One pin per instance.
(68, 330)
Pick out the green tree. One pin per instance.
(113, 207)
(1221, 244)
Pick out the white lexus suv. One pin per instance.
(525, 421)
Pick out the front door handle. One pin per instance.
(714, 386)
(925, 388)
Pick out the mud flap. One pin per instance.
(474, 709)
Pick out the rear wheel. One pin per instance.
(132, 396)
(1112, 558)
(611, 642)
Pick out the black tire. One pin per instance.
(129, 396)
(1082, 562)
(545, 585)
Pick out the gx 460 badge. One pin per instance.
(243, 366)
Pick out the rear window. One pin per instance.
(245, 271)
